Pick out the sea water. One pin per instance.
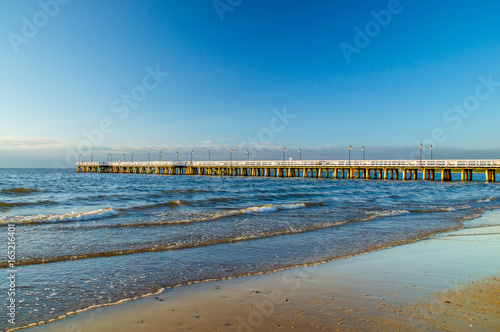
(89, 239)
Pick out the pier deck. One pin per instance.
(337, 169)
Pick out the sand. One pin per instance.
(447, 282)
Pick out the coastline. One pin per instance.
(379, 290)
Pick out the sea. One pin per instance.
(84, 240)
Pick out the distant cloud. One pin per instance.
(26, 142)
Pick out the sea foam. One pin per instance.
(62, 217)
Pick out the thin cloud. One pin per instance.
(29, 142)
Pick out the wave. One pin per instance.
(174, 203)
(186, 245)
(433, 209)
(186, 191)
(5, 206)
(390, 213)
(289, 230)
(64, 217)
(486, 200)
(18, 191)
(294, 206)
(204, 202)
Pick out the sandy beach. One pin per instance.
(446, 282)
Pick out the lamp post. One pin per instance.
(300, 153)
(110, 157)
(124, 157)
(350, 148)
(133, 156)
(80, 158)
(192, 151)
(149, 157)
(92, 157)
(177, 155)
(231, 157)
(284, 150)
(248, 156)
(431, 151)
(363, 148)
(208, 152)
(421, 146)
(161, 152)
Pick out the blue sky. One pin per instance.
(76, 77)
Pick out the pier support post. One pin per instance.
(446, 175)
(490, 175)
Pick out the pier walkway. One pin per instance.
(336, 169)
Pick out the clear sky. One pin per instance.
(122, 76)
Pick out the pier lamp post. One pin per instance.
(248, 156)
(110, 157)
(300, 153)
(177, 155)
(133, 156)
(363, 148)
(208, 152)
(92, 157)
(284, 150)
(421, 146)
(231, 157)
(192, 151)
(149, 157)
(161, 152)
(124, 157)
(431, 151)
(350, 148)
(80, 158)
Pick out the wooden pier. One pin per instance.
(336, 169)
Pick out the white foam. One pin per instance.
(71, 216)
(486, 200)
(260, 209)
(293, 206)
(391, 213)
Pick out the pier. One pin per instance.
(335, 169)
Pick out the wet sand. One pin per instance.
(447, 282)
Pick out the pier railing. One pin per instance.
(449, 163)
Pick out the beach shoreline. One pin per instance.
(379, 290)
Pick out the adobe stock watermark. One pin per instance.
(223, 6)
(31, 26)
(278, 123)
(456, 115)
(363, 37)
(120, 106)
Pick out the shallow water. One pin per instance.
(91, 239)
